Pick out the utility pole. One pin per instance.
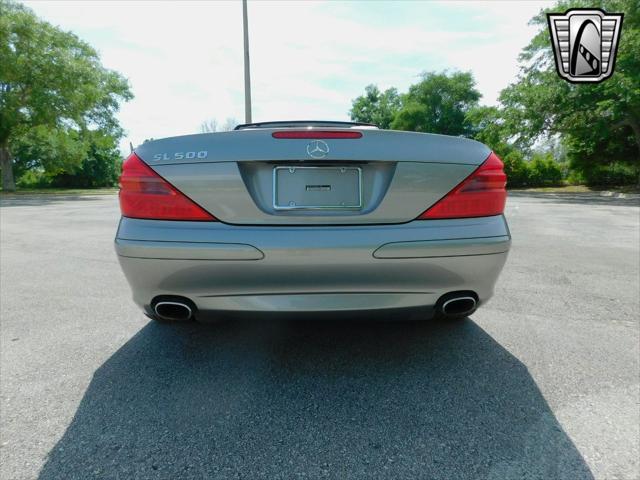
(247, 75)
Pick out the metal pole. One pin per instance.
(247, 75)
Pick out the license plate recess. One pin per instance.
(317, 188)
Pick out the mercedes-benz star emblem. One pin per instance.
(317, 149)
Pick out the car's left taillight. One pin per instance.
(481, 194)
(145, 194)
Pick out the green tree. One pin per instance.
(51, 81)
(376, 107)
(43, 156)
(487, 126)
(43, 148)
(599, 124)
(439, 104)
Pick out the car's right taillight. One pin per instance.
(481, 194)
(145, 194)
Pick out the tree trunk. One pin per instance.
(635, 126)
(8, 183)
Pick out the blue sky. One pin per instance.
(308, 59)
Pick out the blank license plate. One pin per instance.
(313, 188)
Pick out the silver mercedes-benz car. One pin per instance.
(312, 217)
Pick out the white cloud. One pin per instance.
(308, 59)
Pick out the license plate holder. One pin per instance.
(317, 188)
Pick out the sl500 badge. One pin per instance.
(180, 155)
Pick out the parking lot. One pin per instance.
(542, 382)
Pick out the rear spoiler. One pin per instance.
(305, 123)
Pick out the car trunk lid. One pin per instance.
(312, 176)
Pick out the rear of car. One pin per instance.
(311, 217)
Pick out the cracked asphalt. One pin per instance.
(540, 383)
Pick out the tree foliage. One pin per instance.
(488, 126)
(100, 168)
(599, 124)
(379, 108)
(439, 104)
(54, 91)
(544, 128)
(42, 157)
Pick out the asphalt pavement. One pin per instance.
(540, 383)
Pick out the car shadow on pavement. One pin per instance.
(320, 399)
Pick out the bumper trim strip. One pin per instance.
(187, 250)
(444, 248)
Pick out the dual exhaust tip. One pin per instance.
(451, 305)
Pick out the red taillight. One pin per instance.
(481, 194)
(311, 134)
(145, 194)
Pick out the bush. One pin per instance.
(98, 170)
(544, 171)
(541, 171)
(33, 179)
(516, 169)
(615, 174)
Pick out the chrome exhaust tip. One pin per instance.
(459, 306)
(167, 310)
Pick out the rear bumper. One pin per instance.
(230, 268)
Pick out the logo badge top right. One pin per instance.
(585, 42)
